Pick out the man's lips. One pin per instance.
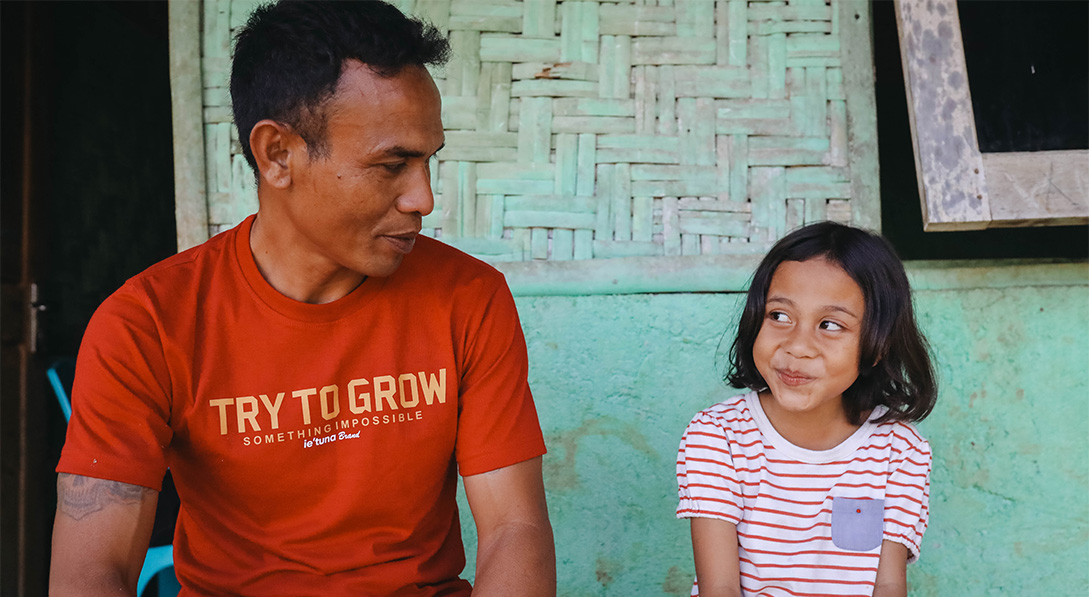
(793, 378)
(402, 242)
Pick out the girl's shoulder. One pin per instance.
(901, 436)
(732, 413)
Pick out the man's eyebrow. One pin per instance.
(405, 152)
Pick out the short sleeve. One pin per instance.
(706, 479)
(907, 498)
(119, 428)
(497, 423)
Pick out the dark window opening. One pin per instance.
(901, 214)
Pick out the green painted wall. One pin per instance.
(617, 378)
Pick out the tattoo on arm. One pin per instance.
(79, 496)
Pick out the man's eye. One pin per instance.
(394, 167)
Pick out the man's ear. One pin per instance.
(276, 148)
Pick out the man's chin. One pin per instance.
(384, 269)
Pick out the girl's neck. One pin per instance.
(812, 430)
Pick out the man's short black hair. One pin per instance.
(894, 366)
(289, 57)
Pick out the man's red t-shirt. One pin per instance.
(315, 448)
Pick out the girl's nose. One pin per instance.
(800, 343)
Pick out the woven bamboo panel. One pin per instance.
(592, 130)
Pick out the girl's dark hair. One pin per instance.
(289, 57)
(902, 378)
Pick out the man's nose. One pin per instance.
(417, 196)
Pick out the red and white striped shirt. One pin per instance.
(808, 522)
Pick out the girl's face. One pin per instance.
(807, 349)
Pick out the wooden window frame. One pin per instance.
(961, 188)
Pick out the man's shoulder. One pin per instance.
(180, 270)
(168, 290)
(438, 262)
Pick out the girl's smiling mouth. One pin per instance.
(793, 378)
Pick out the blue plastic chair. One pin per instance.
(159, 560)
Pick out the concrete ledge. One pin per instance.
(959, 275)
(731, 273)
(630, 275)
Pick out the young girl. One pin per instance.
(815, 482)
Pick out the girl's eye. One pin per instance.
(778, 316)
(831, 326)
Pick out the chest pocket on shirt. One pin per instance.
(857, 524)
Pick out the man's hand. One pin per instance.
(100, 536)
(516, 554)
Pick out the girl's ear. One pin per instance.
(274, 145)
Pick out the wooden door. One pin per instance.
(87, 202)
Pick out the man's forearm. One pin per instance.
(100, 535)
(89, 583)
(519, 560)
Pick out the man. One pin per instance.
(316, 377)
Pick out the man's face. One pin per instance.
(360, 207)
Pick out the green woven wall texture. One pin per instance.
(580, 130)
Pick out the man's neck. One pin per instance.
(296, 273)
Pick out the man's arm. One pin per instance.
(516, 554)
(714, 545)
(100, 536)
(891, 570)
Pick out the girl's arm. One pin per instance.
(714, 545)
(891, 571)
